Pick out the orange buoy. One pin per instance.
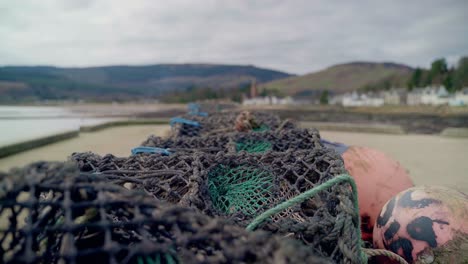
(378, 178)
(425, 224)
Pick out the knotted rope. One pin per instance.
(363, 253)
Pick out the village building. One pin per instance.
(460, 98)
(270, 100)
(414, 97)
(391, 97)
(429, 96)
(355, 99)
(435, 96)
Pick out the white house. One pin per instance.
(460, 98)
(269, 100)
(354, 99)
(336, 100)
(435, 96)
(257, 101)
(391, 97)
(414, 97)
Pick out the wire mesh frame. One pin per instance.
(74, 218)
(295, 139)
(125, 227)
(220, 123)
(323, 222)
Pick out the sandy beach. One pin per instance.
(118, 141)
(430, 159)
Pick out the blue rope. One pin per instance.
(162, 151)
(181, 120)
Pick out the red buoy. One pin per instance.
(378, 178)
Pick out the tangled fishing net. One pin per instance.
(217, 176)
(52, 213)
(239, 189)
(253, 142)
(228, 122)
(240, 186)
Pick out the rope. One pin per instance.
(364, 253)
(302, 198)
(382, 252)
(283, 124)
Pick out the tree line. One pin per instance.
(453, 78)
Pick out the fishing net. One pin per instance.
(239, 186)
(52, 213)
(253, 142)
(219, 123)
(239, 189)
(253, 146)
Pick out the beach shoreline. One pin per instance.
(429, 159)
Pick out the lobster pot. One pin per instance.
(252, 142)
(52, 213)
(220, 123)
(240, 186)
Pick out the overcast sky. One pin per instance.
(293, 36)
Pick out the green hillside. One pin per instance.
(344, 78)
(20, 84)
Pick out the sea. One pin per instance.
(22, 123)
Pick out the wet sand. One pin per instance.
(430, 159)
(118, 141)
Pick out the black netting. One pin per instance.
(52, 213)
(288, 139)
(229, 185)
(220, 123)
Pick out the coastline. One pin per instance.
(324, 118)
(22, 146)
(117, 141)
(430, 159)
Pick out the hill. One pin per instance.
(344, 78)
(19, 83)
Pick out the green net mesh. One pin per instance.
(283, 140)
(239, 189)
(159, 258)
(261, 128)
(253, 146)
(52, 213)
(221, 123)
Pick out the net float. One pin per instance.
(425, 224)
(378, 178)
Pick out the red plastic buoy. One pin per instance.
(426, 224)
(378, 178)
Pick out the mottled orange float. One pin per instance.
(378, 178)
(425, 225)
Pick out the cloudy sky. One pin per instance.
(294, 36)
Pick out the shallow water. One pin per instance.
(20, 123)
(117, 141)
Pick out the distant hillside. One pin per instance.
(123, 82)
(344, 78)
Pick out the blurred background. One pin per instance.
(102, 75)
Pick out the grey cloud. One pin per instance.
(297, 36)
